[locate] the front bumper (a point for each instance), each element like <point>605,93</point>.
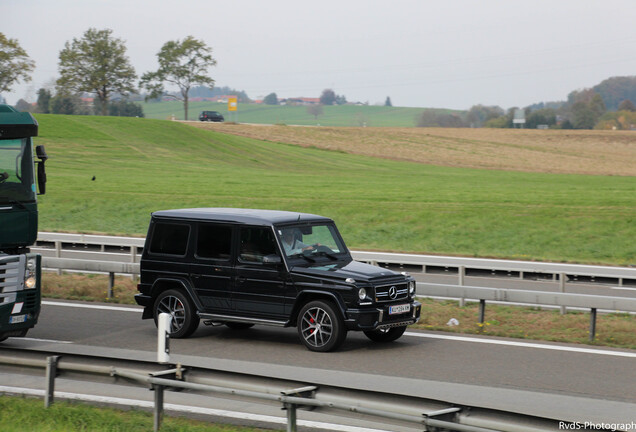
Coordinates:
<point>20,315</point>
<point>378,317</point>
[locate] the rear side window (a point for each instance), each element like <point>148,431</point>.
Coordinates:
<point>214,242</point>
<point>170,239</point>
<point>256,243</point>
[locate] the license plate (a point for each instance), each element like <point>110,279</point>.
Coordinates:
<point>17,319</point>
<point>398,309</point>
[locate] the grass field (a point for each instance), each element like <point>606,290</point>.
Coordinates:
<point>143,165</point>
<point>29,415</point>
<point>546,151</point>
<point>342,115</point>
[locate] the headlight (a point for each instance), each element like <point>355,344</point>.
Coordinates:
<point>30,282</point>
<point>362,294</point>
<point>412,286</point>
<point>30,275</point>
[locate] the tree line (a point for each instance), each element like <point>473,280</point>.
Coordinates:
<point>97,64</point>
<point>607,105</point>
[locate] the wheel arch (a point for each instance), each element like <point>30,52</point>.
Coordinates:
<point>310,295</point>
<point>163,284</point>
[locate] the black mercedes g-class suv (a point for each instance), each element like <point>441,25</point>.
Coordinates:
<point>241,267</point>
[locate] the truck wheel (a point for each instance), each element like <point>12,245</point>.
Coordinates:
<point>320,327</point>
<point>179,306</point>
<point>385,335</point>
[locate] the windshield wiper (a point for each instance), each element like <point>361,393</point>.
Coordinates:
<point>327,254</point>
<point>300,255</point>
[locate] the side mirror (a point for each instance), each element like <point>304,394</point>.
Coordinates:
<point>41,154</point>
<point>271,259</point>
<point>41,178</point>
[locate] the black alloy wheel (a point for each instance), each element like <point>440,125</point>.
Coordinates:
<point>178,305</point>
<point>320,326</point>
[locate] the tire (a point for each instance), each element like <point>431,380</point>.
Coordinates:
<point>320,326</point>
<point>184,319</point>
<point>238,325</point>
<point>386,335</point>
<point>3,338</point>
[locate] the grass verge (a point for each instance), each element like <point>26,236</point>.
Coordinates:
<point>613,330</point>
<point>18,414</point>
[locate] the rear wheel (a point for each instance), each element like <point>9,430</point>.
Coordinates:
<point>385,335</point>
<point>320,326</point>
<point>180,308</point>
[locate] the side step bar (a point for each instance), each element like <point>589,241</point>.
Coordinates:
<point>230,318</point>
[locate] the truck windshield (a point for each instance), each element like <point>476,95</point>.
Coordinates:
<point>17,181</point>
<point>311,241</point>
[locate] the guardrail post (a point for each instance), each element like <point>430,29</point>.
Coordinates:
<point>111,284</point>
<point>51,373</point>
<point>562,278</point>
<point>291,417</point>
<point>158,408</point>
<point>592,324</point>
<point>462,275</point>
<point>482,310</point>
<point>58,254</point>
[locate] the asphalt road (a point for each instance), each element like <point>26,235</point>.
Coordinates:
<point>494,369</point>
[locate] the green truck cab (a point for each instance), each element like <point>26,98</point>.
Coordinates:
<point>20,270</point>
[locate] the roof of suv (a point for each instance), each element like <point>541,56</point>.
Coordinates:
<point>238,215</point>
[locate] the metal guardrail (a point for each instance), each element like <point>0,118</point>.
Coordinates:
<point>463,266</point>
<point>415,411</point>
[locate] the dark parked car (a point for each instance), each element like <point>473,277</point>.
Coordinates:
<point>213,116</point>
<point>241,267</point>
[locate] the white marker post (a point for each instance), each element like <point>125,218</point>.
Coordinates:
<point>163,338</point>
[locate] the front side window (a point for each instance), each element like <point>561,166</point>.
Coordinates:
<point>17,181</point>
<point>170,239</point>
<point>214,242</point>
<point>310,241</point>
<point>256,244</point>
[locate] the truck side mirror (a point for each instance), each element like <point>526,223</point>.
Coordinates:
<point>41,154</point>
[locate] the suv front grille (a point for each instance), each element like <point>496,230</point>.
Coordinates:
<point>385,293</point>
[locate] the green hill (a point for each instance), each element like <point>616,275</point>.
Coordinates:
<point>337,115</point>
<point>143,165</point>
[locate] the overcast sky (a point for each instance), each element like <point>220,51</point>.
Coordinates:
<point>421,53</point>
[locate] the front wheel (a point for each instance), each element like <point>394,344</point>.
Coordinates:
<point>320,326</point>
<point>385,335</point>
<point>179,306</point>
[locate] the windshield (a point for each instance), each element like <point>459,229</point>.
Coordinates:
<point>16,171</point>
<point>311,241</point>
